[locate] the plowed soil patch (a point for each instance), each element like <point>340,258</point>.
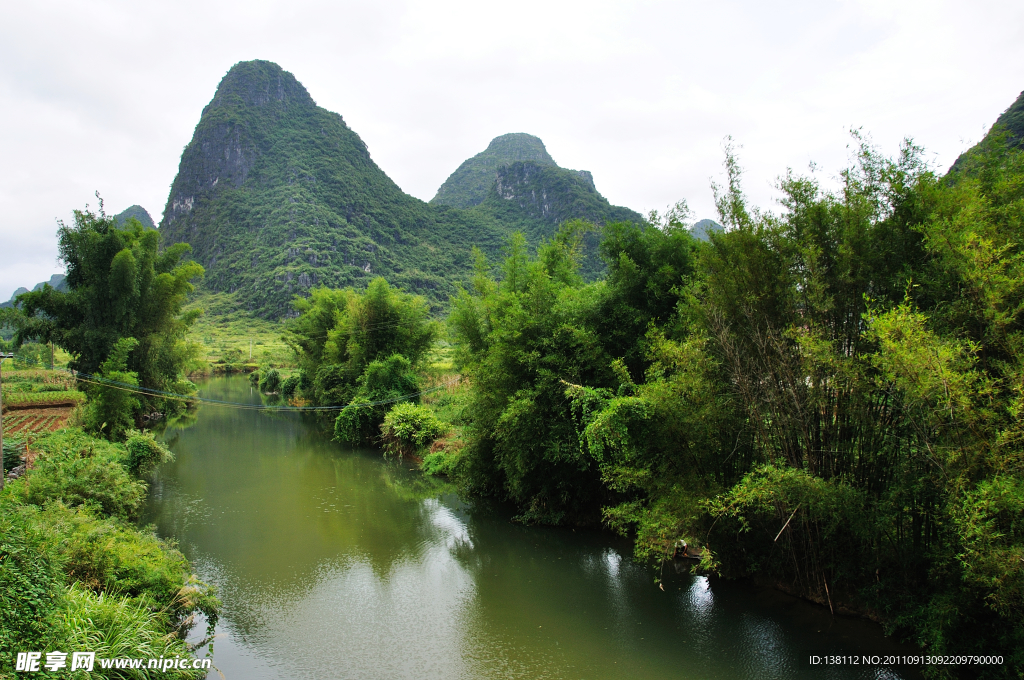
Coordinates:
<point>35,420</point>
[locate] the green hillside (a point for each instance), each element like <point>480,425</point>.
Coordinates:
<point>471,182</point>
<point>534,198</point>
<point>277,195</point>
<point>139,213</point>
<point>1010,123</point>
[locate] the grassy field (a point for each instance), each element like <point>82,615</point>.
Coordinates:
<point>232,336</point>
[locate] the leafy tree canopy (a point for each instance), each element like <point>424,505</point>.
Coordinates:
<point>119,285</point>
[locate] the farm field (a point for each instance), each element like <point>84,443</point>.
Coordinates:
<point>35,420</point>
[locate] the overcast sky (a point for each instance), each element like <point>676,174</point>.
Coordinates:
<point>104,95</point>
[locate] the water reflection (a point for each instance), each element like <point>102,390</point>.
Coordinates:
<point>337,564</point>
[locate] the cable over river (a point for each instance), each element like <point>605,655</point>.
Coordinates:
<point>333,563</point>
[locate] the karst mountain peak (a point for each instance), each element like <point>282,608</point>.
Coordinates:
<point>277,195</point>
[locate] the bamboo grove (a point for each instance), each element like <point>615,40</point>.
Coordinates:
<point>827,399</point>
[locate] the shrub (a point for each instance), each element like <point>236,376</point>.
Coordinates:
<point>144,452</point>
<point>111,554</point>
<point>115,626</point>
<point>408,427</point>
<point>382,384</point>
<point>270,380</point>
<point>30,581</point>
<point>332,386</point>
<point>76,469</point>
<point>290,386</point>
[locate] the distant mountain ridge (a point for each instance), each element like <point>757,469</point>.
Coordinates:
<point>56,281</point>
<point>471,181</point>
<point>139,213</point>
<point>277,195</point>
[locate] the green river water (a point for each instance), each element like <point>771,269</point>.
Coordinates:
<point>333,563</point>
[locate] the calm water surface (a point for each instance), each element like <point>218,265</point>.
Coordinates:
<point>333,563</point>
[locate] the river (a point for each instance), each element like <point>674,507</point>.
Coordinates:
<point>334,563</point>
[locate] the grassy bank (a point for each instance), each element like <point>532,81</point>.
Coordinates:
<point>76,573</point>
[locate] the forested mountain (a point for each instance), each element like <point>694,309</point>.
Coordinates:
<point>473,180</point>
<point>139,213</point>
<point>277,195</point>
<point>1010,123</point>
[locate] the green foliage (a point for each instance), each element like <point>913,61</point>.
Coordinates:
<point>290,385</point>
<point>119,286</point>
<point>109,554</point>
<point>383,384</point>
<point>43,398</point>
<point>144,452</point>
<point>829,398</point>
<point>32,354</point>
<point>75,469</point>
<point>409,427</point>
<point>75,573</point>
<point>270,380</point>
<point>116,626</point>
<point>523,340</point>
<point>31,580</point>
<point>112,408</point>
<point>340,333</point>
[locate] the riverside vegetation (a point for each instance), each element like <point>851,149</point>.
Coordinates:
<point>76,572</point>
<point>827,399</point>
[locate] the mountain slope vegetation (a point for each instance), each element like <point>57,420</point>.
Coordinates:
<point>471,182</point>
<point>277,195</point>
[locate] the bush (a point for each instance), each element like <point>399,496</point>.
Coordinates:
<point>31,578</point>
<point>130,594</point>
<point>144,452</point>
<point>111,554</point>
<point>383,384</point>
<point>445,461</point>
<point>270,380</point>
<point>76,469</point>
<point>254,378</point>
<point>290,386</point>
<point>408,427</point>
<point>115,626</point>
<point>332,386</point>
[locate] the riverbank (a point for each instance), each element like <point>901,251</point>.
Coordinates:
<point>76,573</point>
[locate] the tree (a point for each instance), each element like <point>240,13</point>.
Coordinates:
<point>339,333</point>
<point>119,286</point>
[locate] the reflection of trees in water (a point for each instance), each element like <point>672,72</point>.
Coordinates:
<point>187,418</point>
<point>272,399</point>
<point>412,487</point>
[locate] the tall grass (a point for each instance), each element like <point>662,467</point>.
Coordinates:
<point>116,626</point>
